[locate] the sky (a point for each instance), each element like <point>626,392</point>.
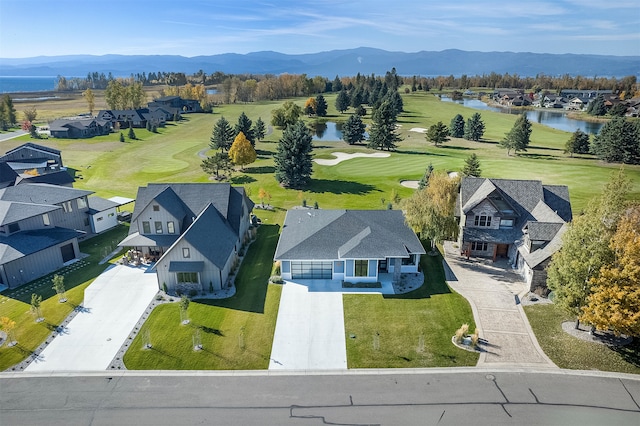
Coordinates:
<point>206,27</point>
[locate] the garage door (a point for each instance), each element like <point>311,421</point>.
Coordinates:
<point>311,270</point>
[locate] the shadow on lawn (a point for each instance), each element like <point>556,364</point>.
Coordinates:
<point>434,279</point>
<point>340,187</point>
<point>253,277</point>
<point>630,353</point>
<point>260,170</point>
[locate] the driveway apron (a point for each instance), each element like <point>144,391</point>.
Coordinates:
<point>493,291</point>
<point>309,331</point>
<point>112,306</point>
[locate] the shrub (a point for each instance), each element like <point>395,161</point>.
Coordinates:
<point>276,279</point>
<point>475,338</point>
<point>462,332</point>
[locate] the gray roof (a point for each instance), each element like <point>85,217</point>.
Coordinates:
<point>60,177</point>
<point>41,193</point>
<point>34,147</point>
<point>340,234</point>
<point>99,204</point>
<point>543,231</point>
<point>11,212</point>
<point>24,243</point>
<point>542,254</point>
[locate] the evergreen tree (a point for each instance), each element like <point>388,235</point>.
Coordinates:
<point>244,126</point>
<point>361,111</point>
<point>438,133</point>
<point>222,135</point>
<point>597,106</point>
<point>474,128</point>
<point>519,136</point>
<point>293,156</point>
<point>396,102</point>
<point>241,151</point>
<point>424,182</point>
<point>456,129</point>
<point>383,131</point>
<point>321,106</point>
<point>132,134</point>
<point>353,130</point>
<point>342,101</point>
<point>472,166</point>
<point>618,141</point>
<point>218,162</point>
<point>9,111</point>
<point>336,86</point>
<point>121,137</point>
<point>578,143</point>
<point>259,129</point>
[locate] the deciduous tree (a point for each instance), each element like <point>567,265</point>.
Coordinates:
<point>287,115</point>
<point>578,143</point>
<point>353,130</point>
<point>30,114</point>
<point>293,156</point>
<point>36,303</point>
<point>310,106</point>
<point>472,166</point>
<point>222,135</point>
<point>8,111</point>
<point>58,286</point>
<point>241,151</point>
<point>438,133</point>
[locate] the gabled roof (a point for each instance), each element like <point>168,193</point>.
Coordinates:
<point>35,147</point>
<point>340,234</point>
<point>538,256</point>
<point>99,204</point>
<point>11,212</point>
<point>60,177</point>
<point>543,231</point>
<point>24,243</point>
<point>41,193</point>
<point>7,174</point>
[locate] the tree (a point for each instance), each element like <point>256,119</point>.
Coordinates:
<point>132,134</point>
<point>262,194</point>
<point>618,141</point>
<point>36,302</point>
<point>456,128</point>
<point>396,102</point>
<point>293,156</point>
<point>361,111</point>
<point>244,126</point>
<point>383,130</point>
<point>353,130</point>
<point>342,101</point>
<point>90,98</point>
<point>242,152</point>
<point>121,137</point>
<point>430,211</point>
<point>438,133</point>
<point>259,129</point>
<point>114,95</point>
<point>585,247</point>
<point>310,106</point>
<point>578,143</point>
<point>184,305</point>
<point>597,106</point>
<point>222,135</point>
<point>219,161</point>
<point>614,301</point>
<point>287,115</point>
<point>321,106</point>
<point>474,128</point>
<point>424,181</point>
<point>8,111</point>
<point>472,166</point>
<point>7,324</point>
<point>519,136</point>
<point>30,114</point>
<point>58,286</point>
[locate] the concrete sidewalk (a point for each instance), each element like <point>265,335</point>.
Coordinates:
<point>492,290</point>
<point>112,306</point>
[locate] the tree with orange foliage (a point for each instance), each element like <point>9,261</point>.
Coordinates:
<point>242,152</point>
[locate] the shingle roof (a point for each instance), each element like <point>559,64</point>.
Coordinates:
<point>34,146</point>
<point>24,243</point>
<point>60,177</point>
<point>41,193</point>
<point>356,234</point>
<point>11,211</point>
<point>542,254</point>
<point>543,231</point>
<point>99,204</point>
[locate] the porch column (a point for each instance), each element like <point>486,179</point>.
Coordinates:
<point>397,269</point>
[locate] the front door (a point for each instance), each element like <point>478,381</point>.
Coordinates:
<point>68,253</point>
<point>382,265</point>
<point>502,250</point>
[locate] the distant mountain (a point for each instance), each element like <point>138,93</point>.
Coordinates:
<point>329,64</point>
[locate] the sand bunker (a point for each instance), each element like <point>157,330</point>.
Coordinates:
<point>413,184</point>
<point>418,130</point>
<point>342,156</point>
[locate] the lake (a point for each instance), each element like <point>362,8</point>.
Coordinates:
<point>555,119</point>
<point>13,84</point>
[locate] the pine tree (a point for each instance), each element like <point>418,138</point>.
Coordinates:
<point>342,101</point>
<point>132,134</point>
<point>259,129</point>
<point>321,106</point>
<point>578,143</point>
<point>438,133</point>
<point>219,161</point>
<point>383,131</point>
<point>353,130</point>
<point>9,111</point>
<point>222,135</point>
<point>474,128</point>
<point>456,129</point>
<point>244,126</point>
<point>519,136</point>
<point>618,141</point>
<point>121,137</point>
<point>424,182</point>
<point>472,166</point>
<point>241,151</point>
<point>293,156</point>
<point>597,106</point>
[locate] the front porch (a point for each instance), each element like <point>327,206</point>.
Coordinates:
<point>408,282</point>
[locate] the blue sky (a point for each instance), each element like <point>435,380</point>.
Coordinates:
<point>199,27</point>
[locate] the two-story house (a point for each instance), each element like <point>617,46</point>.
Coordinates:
<point>193,230</point>
<point>39,229</point>
<point>521,220</point>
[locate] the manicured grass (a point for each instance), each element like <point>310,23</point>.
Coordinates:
<point>570,352</point>
<point>408,331</point>
<point>16,303</point>
<point>236,333</point>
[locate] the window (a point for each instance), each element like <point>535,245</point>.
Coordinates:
<point>66,206</point>
<point>111,214</point>
<point>146,228</point>
<point>46,220</point>
<point>14,227</point>
<point>86,221</point>
<point>187,277</point>
<point>482,221</point>
<point>410,261</point>
<point>478,246</point>
<point>185,252</point>
<point>82,203</point>
<point>506,223</point>
<point>158,226</point>
<point>170,228</point>
<point>156,208</point>
<point>361,268</point>
<point>99,219</point>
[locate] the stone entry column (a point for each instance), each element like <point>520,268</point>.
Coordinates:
<point>397,269</point>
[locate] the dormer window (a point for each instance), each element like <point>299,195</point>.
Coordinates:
<point>156,208</point>
<point>482,221</point>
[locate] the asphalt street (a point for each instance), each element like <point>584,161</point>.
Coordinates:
<point>371,397</point>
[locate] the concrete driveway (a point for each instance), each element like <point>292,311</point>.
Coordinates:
<point>112,306</point>
<point>492,290</point>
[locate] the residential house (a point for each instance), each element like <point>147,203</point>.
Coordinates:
<point>103,214</point>
<point>80,127</point>
<point>39,229</point>
<point>123,118</point>
<point>183,105</point>
<point>193,230</point>
<point>519,220</point>
<point>349,245</point>
<point>33,163</point>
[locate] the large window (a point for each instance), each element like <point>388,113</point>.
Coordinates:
<point>158,226</point>
<point>66,206</point>
<point>187,277</point>
<point>146,228</point>
<point>478,246</point>
<point>361,268</point>
<point>482,221</point>
<point>82,203</point>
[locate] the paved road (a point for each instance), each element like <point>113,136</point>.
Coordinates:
<point>382,397</point>
<point>11,135</point>
<point>491,290</point>
<point>113,304</point>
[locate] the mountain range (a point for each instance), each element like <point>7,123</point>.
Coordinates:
<point>347,62</point>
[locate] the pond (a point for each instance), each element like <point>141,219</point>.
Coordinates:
<point>555,119</point>
<point>328,131</point>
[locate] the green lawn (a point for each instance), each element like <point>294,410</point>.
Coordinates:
<point>412,330</point>
<point>236,333</point>
<point>567,351</point>
<point>16,304</point>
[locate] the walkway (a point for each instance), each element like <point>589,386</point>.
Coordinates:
<point>492,290</point>
<point>112,306</point>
